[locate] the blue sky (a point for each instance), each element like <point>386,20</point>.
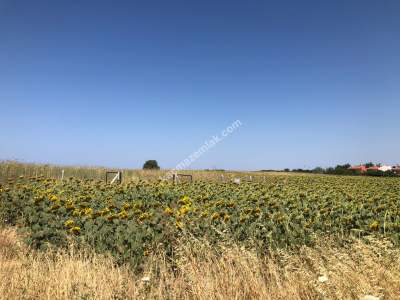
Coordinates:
<point>113,83</point>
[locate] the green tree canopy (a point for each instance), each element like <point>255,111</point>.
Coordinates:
<point>151,165</point>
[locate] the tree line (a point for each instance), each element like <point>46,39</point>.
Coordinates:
<point>344,170</point>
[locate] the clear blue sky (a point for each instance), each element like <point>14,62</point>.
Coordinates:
<point>114,83</point>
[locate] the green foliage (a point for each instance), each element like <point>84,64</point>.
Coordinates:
<point>318,170</point>
<point>151,165</point>
<point>341,170</point>
<point>378,173</point>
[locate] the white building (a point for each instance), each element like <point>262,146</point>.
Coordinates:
<point>385,168</point>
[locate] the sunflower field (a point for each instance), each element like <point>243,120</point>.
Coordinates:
<point>132,220</point>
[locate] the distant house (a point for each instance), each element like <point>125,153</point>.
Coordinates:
<point>364,169</point>
<point>373,168</point>
<point>361,169</point>
<point>396,170</point>
<point>385,168</point>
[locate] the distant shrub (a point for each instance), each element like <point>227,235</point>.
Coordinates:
<point>151,165</point>
<point>378,173</point>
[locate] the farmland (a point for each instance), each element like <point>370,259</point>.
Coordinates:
<point>133,219</point>
<point>146,219</point>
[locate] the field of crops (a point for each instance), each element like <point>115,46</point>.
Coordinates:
<point>132,220</point>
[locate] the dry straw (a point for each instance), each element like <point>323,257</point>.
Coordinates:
<point>353,272</point>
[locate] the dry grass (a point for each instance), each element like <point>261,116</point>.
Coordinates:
<point>352,272</point>
<point>14,169</point>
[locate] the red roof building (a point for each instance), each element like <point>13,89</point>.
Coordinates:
<point>373,168</point>
<point>362,169</point>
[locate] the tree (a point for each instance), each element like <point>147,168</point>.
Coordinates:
<point>343,169</point>
<point>318,170</point>
<point>151,165</point>
<point>369,164</point>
